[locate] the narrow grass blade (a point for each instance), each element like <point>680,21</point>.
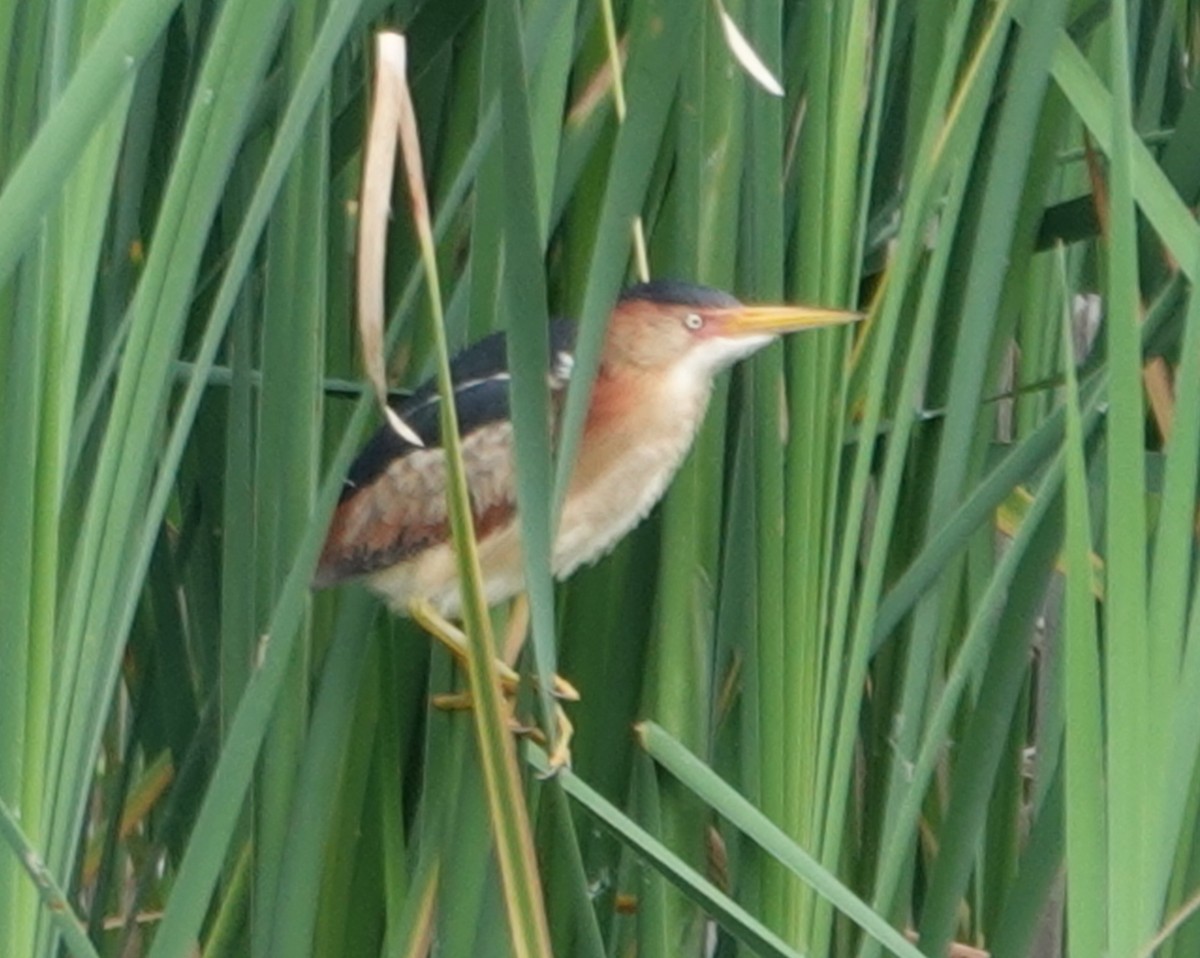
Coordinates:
<point>411,935</point>
<point>982,741</point>
<point>1135,729</point>
<point>293,916</point>
<point>529,357</point>
<point>506,801</point>
<point>54,899</point>
<point>725,801</point>
<point>739,922</point>
<point>1086,841</point>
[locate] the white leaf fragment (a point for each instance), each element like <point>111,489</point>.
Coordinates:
<point>406,432</point>
<point>745,54</point>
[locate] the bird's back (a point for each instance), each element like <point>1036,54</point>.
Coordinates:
<point>392,508</point>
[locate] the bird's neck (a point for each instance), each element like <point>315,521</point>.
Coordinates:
<point>633,407</point>
<point>639,429</point>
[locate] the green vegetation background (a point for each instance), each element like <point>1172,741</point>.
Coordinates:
<point>914,630</point>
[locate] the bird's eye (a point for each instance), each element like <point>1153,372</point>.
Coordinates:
<point>693,321</point>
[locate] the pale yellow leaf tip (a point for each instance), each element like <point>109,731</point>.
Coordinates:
<point>745,54</point>
<point>374,209</point>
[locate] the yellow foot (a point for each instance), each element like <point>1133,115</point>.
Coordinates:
<point>560,757</point>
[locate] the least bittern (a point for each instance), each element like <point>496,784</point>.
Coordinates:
<point>665,343</point>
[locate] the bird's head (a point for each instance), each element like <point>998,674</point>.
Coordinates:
<point>698,331</point>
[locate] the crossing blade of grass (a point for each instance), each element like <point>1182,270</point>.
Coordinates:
<point>1156,198</point>
<point>579,931</point>
<point>528,354</point>
<point>736,919</point>
<point>506,800</point>
<point>969,665</point>
<point>409,935</point>
<point>1023,919</point>
<point>982,740</point>
<point>889,491</point>
<point>54,899</point>
<point>723,799</point>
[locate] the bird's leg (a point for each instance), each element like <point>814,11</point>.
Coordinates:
<point>517,629</point>
<point>455,641</point>
<point>514,641</point>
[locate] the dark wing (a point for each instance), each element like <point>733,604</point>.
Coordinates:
<point>393,502</point>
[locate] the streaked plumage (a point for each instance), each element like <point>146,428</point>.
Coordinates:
<point>665,343</point>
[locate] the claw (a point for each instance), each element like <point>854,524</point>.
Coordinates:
<point>564,690</point>
<point>560,758</point>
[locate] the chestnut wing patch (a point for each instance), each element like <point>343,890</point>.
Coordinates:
<point>401,512</point>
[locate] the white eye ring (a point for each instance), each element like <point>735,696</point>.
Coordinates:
<point>693,321</point>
